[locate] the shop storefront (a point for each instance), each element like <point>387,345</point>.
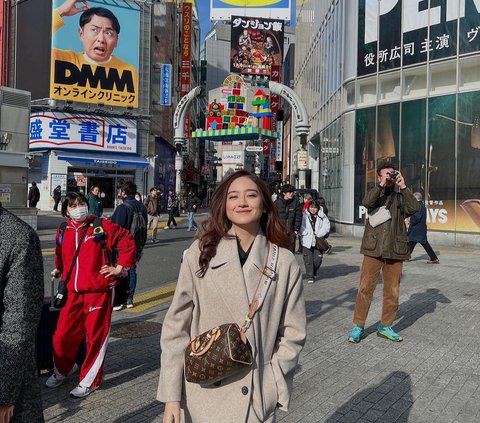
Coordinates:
<point>84,151</point>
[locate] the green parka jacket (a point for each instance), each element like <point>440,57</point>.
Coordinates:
<point>388,240</point>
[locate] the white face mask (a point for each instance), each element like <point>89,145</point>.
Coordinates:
<point>79,214</point>
<point>138,198</point>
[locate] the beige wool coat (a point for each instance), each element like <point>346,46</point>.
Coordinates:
<point>277,334</point>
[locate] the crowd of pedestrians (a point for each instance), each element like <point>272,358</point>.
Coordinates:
<point>247,227</point>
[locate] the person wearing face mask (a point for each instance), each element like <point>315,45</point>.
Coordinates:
<point>88,309</point>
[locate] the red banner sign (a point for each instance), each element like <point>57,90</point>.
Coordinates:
<point>186,57</point>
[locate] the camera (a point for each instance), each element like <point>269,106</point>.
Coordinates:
<point>393,174</point>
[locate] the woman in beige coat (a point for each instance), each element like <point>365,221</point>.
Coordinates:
<point>217,280</point>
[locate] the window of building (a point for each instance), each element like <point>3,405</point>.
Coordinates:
<point>469,78</point>
<point>367,91</point>
<point>415,82</point>
<point>443,77</point>
<point>389,87</point>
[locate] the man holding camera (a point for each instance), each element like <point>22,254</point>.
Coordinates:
<point>385,247</point>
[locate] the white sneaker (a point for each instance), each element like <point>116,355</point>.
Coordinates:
<point>311,281</point>
<point>119,307</point>
<point>55,380</point>
<point>82,391</point>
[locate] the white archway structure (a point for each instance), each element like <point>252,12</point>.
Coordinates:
<point>179,125</point>
<point>302,126</point>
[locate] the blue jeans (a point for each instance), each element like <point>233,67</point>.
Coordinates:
<point>191,221</point>
<point>132,276</point>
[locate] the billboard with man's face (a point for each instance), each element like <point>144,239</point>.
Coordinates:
<point>95,52</point>
<point>256,45</point>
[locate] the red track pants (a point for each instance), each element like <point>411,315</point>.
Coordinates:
<point>85,314</point>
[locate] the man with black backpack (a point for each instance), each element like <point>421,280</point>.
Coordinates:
<point>132,215</point>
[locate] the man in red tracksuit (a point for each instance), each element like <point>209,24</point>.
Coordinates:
<point>88,309</point>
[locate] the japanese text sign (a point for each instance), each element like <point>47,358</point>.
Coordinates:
<point>78,132</point>
<point>166,84</point>
<point>256,45</point>
<point>410,32</point>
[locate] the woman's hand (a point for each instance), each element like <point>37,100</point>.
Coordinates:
<point>69,8</point>
<point>108,271</point>
<point>172,412</point>
<point>55,273</point>
<point>6,413</point>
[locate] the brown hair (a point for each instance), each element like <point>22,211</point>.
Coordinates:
<point>217,224</point>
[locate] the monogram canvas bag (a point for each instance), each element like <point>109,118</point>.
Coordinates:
<point>224,351</point>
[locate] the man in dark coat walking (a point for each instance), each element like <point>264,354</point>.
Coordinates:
<point>290,210</point>
<point>417,231</point>
<point>33,195</point>
<point>21,296</point>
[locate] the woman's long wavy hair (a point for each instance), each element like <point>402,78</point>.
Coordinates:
<point>217,225</point>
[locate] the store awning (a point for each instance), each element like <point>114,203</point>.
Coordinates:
<point>242,133</point>
<point>11,159</point>
<point>102,160</point>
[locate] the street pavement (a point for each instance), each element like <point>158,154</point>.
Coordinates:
<point>432,376</point>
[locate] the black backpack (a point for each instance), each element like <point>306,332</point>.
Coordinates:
<point>138,227</point>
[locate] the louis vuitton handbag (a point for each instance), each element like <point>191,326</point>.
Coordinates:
<point>224,351</point>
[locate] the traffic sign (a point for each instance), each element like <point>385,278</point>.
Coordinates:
<point>256,148</point>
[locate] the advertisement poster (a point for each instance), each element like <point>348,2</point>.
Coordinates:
<point>95,52</point>
<point>87,133</point>
<point>222,10</point>
<point>59,179</point>
<point>166,84</point>
<point>256,45</point>
<point>412,32</point>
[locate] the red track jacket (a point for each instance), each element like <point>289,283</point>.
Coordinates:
<point>86,276</point>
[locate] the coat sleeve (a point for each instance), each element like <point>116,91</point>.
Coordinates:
<point>58,252</point>
<point>371,198</point>
<point>22,301</point>
<point>324,227</point>
<point>121,240</point>
<point>411,204</point>
<point>303,227</point>
<point>298,216</point>
<point>290,338</point>
<point>176,336</point>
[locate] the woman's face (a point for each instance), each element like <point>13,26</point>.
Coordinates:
<point>244,203</point>
<point>313,210</point>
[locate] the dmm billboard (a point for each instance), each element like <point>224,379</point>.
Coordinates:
<point>84,67</point>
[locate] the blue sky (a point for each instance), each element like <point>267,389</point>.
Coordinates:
<point>204,13</point>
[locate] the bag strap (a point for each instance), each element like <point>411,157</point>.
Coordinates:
<point>268,274</point>
<point>99,233</point>
<point>69,273</point>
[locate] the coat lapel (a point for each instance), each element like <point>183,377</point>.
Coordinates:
<point>227,276</point>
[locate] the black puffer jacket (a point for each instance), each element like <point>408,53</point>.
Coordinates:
<point>291,212</point>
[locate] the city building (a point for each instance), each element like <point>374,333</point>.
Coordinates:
<point>394,82</point>
<point>102,115</point>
